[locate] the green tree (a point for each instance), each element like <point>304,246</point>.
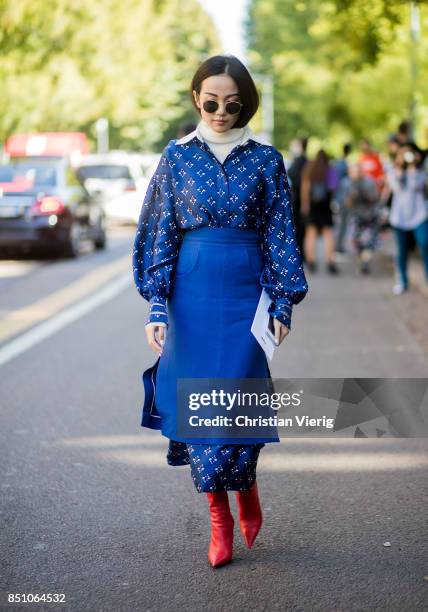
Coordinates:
<point>340,67</point>
<point>63,65</point>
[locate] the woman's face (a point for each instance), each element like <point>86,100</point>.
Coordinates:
<point>221,88</point>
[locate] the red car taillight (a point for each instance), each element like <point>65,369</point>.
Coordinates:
<point>48,205</point>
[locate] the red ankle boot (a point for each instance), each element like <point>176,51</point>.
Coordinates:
<point>250,513</point>
<point>222,523</point>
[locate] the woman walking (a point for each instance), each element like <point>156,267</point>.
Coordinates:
<point>215,227</point>
<point>361,196</point>
<point>319,182</point>
<point>407,181</point>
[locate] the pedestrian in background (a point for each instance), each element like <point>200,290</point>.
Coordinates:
<point>407,181</point>
<point>371,163</point>
<point>338,199</point>
<point>319,182</point>
<point>298,151</point>
<point>361,198</point>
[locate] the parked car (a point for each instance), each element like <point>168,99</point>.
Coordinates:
<point>119,181</point>
<point>44,205</point>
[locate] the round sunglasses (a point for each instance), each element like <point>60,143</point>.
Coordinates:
<point>210,106</point>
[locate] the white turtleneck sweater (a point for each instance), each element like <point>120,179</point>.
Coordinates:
<point>222,143</point>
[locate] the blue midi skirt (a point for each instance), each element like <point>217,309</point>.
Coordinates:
<point>214,293</point>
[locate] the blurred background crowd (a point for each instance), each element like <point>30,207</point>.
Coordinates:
<point>353,200</point>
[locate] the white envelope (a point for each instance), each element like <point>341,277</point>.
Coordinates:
<point>259,327</point>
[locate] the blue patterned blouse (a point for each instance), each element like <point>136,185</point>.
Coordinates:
<point>191,188</point>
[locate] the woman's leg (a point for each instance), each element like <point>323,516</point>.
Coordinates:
<point>373,235</point>
<point>402,253</point>
<point>343,226</point>
<point>310,245</point>
<point>421,237</point>
<point>356,235</point>
<point>327,234</point>
<point>215,470</point>
<point>367,243</point>
<point>222,523</point>
<point>250,513</point>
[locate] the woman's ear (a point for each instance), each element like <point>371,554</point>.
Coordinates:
<point>196,98</point>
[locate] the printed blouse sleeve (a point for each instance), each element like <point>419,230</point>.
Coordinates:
<point>283,276</point>
<point>156,242</point>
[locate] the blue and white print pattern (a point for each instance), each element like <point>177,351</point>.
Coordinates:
<point>191,188</point>
<point>217,467</point>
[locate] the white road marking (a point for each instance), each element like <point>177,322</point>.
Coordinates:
<point>12,267</point>
<point>62,319</point>
<point>21,319</point>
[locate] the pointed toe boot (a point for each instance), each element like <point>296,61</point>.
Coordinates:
<point>222,523</point>
<point>250,513</point>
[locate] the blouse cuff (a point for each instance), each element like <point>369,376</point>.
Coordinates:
<point>281,310</point>
<point>158,313</point>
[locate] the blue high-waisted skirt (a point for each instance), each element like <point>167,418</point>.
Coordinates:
<point>214,294</point>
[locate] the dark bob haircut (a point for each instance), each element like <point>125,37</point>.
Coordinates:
<point>229,64</point>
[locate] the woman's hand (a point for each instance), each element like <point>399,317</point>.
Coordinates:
<point>156,336</point>
<point>281,331</point>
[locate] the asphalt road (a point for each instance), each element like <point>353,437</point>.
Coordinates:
<point>90,509</point>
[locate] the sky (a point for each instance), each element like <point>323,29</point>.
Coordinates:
<point>228,16</point>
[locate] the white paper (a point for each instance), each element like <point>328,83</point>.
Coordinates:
<point>259,327</point>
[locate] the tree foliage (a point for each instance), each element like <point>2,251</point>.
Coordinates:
<point>341,68</point>
<point>64,64</point>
